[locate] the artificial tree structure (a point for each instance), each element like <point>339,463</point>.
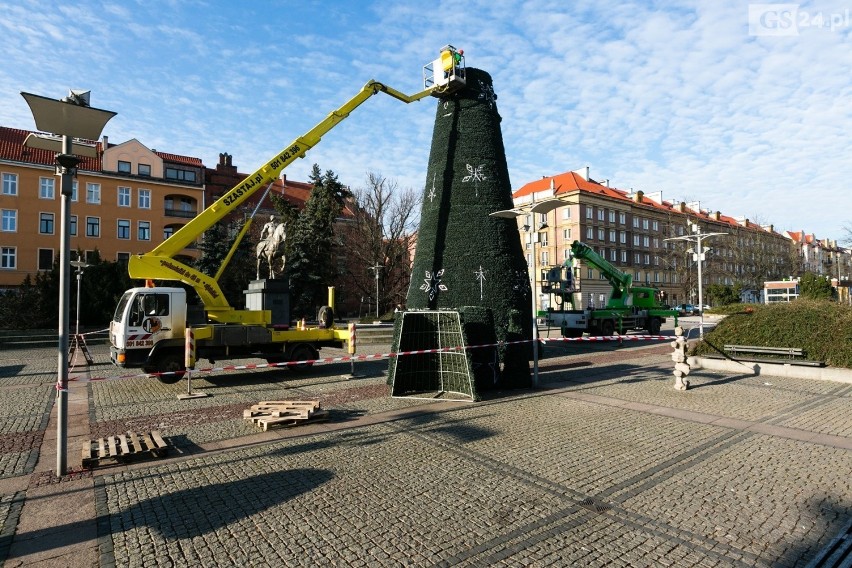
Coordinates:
<point>466,260</point>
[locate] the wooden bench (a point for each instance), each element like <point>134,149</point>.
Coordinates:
<point>784,355</point>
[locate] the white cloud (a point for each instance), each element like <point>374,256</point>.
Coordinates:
<point>674,97</point>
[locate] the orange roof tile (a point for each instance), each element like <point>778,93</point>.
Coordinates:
<point>12,149</point>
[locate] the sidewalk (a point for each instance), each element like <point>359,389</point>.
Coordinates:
<point>605,464</point>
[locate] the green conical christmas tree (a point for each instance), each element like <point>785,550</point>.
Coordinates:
<point>466,260</point>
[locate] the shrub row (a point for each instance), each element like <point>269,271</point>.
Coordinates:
<point>822,328</point>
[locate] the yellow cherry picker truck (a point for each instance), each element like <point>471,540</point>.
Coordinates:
<point>148,329</point>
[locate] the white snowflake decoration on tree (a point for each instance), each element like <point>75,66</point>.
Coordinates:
<point>475,175</point>
<point>480,275</point>
<point>432,284</point>
<point>522,282</point>
<point>432,192</point>
<point>486,93</point>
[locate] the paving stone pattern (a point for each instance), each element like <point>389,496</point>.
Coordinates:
<point>601,466</point>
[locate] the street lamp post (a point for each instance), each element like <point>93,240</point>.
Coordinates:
<point>376,269</point>
<point>80,266</point>
<point>698,255</point>
<point>66,120</point>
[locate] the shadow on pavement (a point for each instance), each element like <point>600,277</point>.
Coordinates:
<point>191,512</point>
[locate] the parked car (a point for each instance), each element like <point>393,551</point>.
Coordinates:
<point>687,309</point>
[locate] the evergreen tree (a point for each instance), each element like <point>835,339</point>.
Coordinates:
<point>464,257</point>
<point>310,265</point>
<point>815,287</point>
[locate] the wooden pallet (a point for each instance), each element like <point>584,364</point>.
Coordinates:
<point>284,412</point>
<point>123,446</point>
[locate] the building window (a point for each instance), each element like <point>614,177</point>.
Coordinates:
<point>591,273</point>
<point>566,234</point>
<point>624,256</point>
<point>645,224</point>
<point>122,257</point>
<point>123,167</point>
<point>45,259</point>
<point>590,233</point>
<point>612,255</point>
<point>123,229</point>
<point>93,226</point>
<point>566,254</point>
<point>646,241</point>
<point>74,192</point>
<point>612,216</point>
<point>45,223</point>
<point>144,199</point>
<point>545,259</point>
<point>601,234</point>
<point>622,237</point>
<point>144,231</point>
<point>168,232</point>
<point>590,214</point>
<point>622,218</point>
<point>635,222</point>
<point>124,197</point>
<point>637,258</point>
<point>93,193</point>
<point>181,175</point>
<point>10,185</point>
<point>566,212</point>
<point>635,240</point>
<point>144,169</point>
<point>10,220</point>
<point>612,235</point>
<point>8,257</point>
<point>72,224</point>
<point>46,188</point>
<point>655,225</point>
<point>656,277</point>
<point>601,214</point>
<point>647,259</point>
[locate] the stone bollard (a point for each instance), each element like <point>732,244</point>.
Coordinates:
<point>679,357</point>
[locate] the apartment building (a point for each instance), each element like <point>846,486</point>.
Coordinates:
<point>630,230</point>
<point>125,201</point>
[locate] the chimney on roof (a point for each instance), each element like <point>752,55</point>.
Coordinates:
<point>606,182</point>
<point>656,197</point>
<point>695,206</point>
<point>715,215</point>
<point>584,173</point>
<point>681,207</point>
<point>637,197</point>
<point>105,142</point>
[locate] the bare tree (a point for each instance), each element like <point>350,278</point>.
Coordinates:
<point>382,234</point>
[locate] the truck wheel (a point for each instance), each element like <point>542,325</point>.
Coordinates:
<point>303,352</point>
<point>325,317</point>
<point>172,363</point>
<point>607,327</point>
<point>654,326</point>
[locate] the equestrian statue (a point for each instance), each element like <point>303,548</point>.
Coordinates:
<point>271,246</point>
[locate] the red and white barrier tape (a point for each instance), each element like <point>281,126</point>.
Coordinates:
<point>378,356</point>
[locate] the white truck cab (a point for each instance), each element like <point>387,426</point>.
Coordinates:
<point>143,318</point>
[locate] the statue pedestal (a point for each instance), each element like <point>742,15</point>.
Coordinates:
<point>272,295</point>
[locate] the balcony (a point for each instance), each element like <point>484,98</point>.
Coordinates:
<point>182,213</point>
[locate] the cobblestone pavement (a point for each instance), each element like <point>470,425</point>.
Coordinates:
<point>605,464</point>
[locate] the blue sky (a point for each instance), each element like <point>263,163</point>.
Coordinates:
<point>681,97</point>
